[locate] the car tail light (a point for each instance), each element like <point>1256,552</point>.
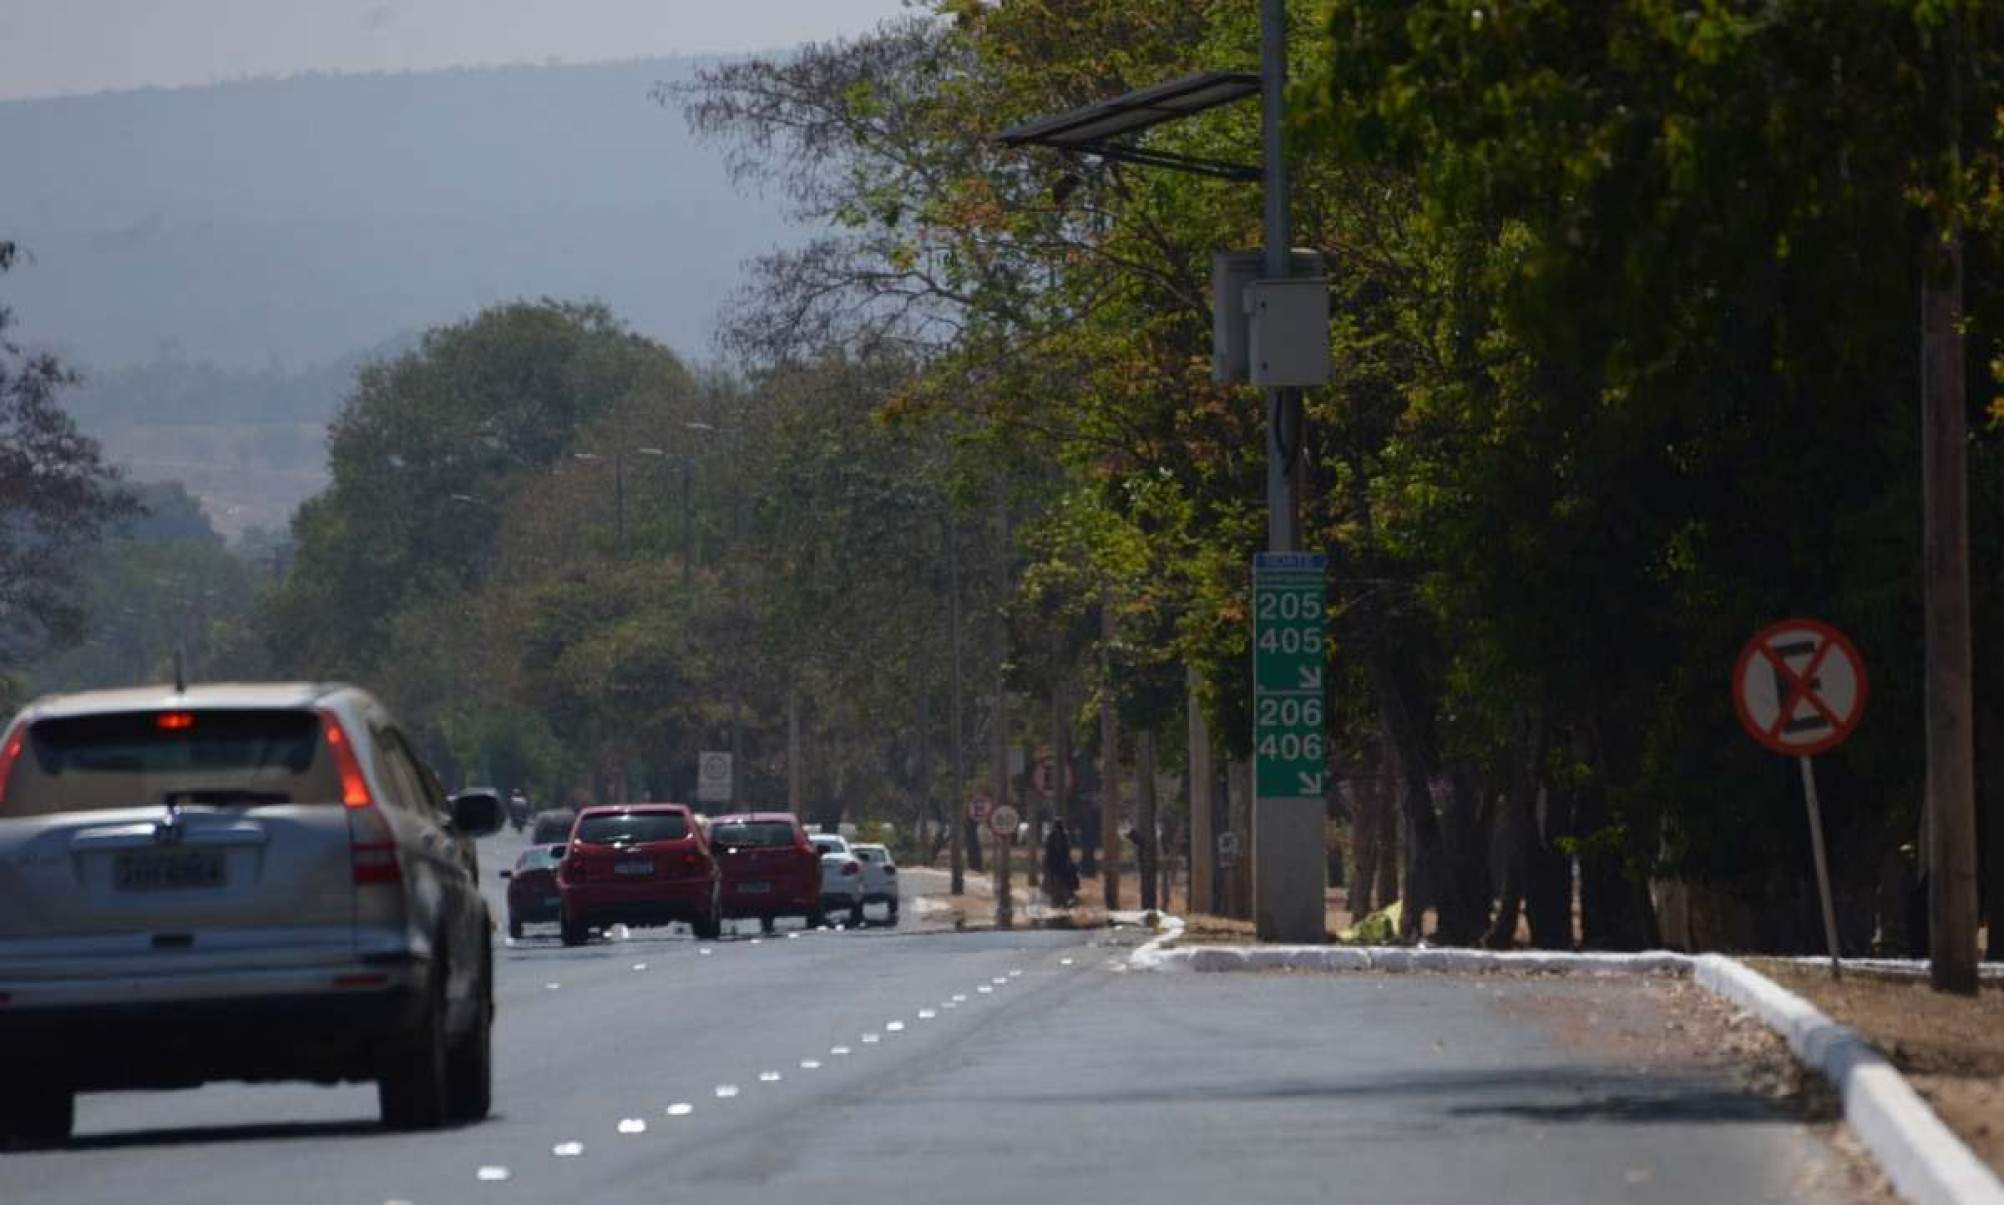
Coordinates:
<point>372,844</point>
<point>851,868</point>
<point>10,752</point>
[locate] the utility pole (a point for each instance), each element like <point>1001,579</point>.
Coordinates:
<point>957,805</point>
<point>1202,782</point>
<point>738,618</point>
<point>1951,807</point>
<point>1005,904</point>
<point>688,546</point>
<point>793,794</point>
<point>619,504</point>
<point>1109,787</point>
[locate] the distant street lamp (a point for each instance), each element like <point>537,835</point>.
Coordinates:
<point>736,580</point>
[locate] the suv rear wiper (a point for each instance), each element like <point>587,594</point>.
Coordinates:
<point>225,797</point>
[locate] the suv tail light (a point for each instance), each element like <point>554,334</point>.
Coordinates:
<point>851,868</point>
<point>372,844</point>
<point>10,752</point>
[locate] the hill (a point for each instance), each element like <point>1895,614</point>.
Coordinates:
<point>213,258</point>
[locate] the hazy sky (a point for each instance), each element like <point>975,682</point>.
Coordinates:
<point>51,47</point>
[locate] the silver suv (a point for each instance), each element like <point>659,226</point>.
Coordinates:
<point>236,882</point>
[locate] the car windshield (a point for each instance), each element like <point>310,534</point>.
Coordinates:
<point>753,834</point>
<point>224,758</point>
<point>632,828</point>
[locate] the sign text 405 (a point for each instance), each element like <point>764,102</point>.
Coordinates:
<point>1289,711</point>
<point>1289,746</point>
<point>1290,640</point>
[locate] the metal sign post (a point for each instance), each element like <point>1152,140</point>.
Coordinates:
<point>1799,688</point>
<point>1289,756</point>
<point>1002,824</point>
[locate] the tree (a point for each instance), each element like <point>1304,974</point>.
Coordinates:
<point>56,498</point>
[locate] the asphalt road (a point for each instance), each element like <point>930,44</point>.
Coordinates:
<point>889,1066</point>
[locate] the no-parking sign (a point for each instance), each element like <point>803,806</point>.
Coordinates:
<point>1799,687</point>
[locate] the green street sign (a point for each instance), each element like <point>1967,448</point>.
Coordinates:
<point>1290,624</point>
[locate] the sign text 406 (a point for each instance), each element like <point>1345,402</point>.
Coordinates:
<point>1289,746</point>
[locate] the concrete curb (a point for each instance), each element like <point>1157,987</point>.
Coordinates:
<point>1152,957</point>
<point>1925,1161</point>
<point>1923,1158</point>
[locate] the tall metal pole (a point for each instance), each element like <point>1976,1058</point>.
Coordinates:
<point>1287,863</point>
<point>737,622</point>
<point>957,805</point>
<point>619,504</point>
<point>1951,790</point>
<point>688,547</point>
<point>1202,781</point>
<point>1005,903</point>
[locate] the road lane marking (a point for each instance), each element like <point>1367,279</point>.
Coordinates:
<point>871,1039</point>
<point>639,966</point>
<point>568,1150</point>
<point>726,1091</point>
<point>896,1027</point>
<point>810,1064</point>
<point>632,1125</point>
<point>926,1014</point>
<point>492,1173</point>
<point>768,1077</point>
<point>838,1051</point>
<point>680,1108</point>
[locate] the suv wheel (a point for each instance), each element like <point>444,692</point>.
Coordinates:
<point>38,1115</point>
<point>856,918</point>
<point>892,919</point>
<point>767,924</point>
<point>817,919</point>
<point>514,927</point>
<point>414,1087</point>
<point>470,1061</point>
<point>574,932</point>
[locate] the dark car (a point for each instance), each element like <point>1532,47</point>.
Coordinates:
<point>638,864</point>
<point>769,868</point>
<point>552,827</point>
<point>532,888</point>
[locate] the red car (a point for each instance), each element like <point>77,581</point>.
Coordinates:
<point>532,888</point>
<point>770,870</point>
<point>638,864</point>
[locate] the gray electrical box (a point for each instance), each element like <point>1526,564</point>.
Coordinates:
<point>1232,272</point>
<point>1288,338</point>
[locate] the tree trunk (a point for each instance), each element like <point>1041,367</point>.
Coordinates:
<point>1548,883</point>
<point>1144,819</point>
<point>1364,835</point>
<point>1109,785</point>
<point>1239,796</point>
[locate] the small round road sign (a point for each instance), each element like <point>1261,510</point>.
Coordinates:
<point>979,807</point>
<point>1003,821</point>
<point>1799,687</point>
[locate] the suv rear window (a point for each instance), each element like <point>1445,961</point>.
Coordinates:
<point>753,834</point>
<point>233,758</point>
<point>632,828</point>
<point>541,857</point>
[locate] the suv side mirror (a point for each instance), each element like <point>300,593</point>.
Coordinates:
<point>477,813</point>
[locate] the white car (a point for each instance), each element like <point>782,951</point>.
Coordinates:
<point>880,878</point>
<point>841,877</point>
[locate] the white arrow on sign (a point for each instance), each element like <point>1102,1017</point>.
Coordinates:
<point>1311,784</point>
<point>1311,677</point>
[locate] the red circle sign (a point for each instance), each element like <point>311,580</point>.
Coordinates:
<point>1799,687</point>
<point>979,807</point>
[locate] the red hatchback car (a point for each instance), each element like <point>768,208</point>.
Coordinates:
<point>770,870</point>
<point>638,864</point>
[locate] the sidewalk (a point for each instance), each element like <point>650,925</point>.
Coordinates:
<point>975,908</point>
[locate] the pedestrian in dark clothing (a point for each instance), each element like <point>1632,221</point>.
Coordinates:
<point>1061,878</point>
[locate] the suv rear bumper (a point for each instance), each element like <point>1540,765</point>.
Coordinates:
<point>178,1031</point>
<point>791,902</point>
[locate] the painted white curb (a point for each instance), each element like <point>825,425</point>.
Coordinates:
<point>1925,1161</point>
<point>1152,957</point>
<point>1923,1158</point>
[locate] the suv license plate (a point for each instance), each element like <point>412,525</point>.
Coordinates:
<point>166,872</point>
<point>635,867</point>
<point>755,888</point>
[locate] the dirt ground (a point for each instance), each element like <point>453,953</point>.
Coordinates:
<point>1951,1048</point>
